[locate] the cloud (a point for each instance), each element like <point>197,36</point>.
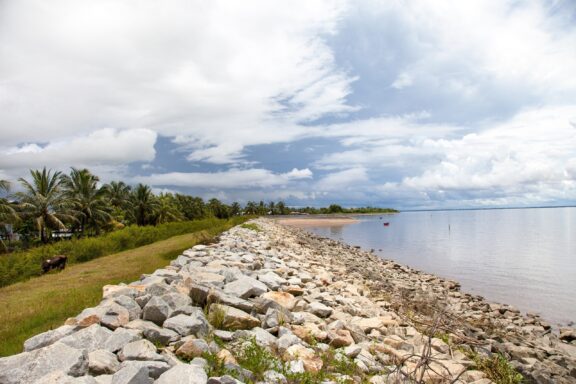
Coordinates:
<point>526,160</point>
<point>101,147</point>
<point>402,81</point>
<point>215,76</point>
<point>234,178</point>
<point>342,180</point>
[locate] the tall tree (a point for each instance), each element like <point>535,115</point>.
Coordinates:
<point>8,214</point>
<point>144,205</point>
<point>86,199</point>
<point>118,193</point>
<point>44,202</point>
<point>281,207</point>
<point>167,209</point>
<point>251,208</point>
<point>235,209</point>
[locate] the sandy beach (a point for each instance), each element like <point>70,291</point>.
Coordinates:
<point>316,221</point>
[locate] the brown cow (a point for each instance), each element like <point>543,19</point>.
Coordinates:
<point>57,262</point>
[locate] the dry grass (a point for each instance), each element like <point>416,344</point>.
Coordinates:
<point>44,303</point>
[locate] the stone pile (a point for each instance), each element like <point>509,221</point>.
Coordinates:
<point>301,298</point>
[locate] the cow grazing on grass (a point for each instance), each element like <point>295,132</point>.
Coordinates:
<point>57,262</point>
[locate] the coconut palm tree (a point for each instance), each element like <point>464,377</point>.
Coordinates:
<point>7,213</point>
<point>118,193</point>
<point>86,199</point>
<point>44,202</point>
<point>144,205</point>
<point>167,209</point>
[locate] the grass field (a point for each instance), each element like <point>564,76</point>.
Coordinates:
<point>45,302</point>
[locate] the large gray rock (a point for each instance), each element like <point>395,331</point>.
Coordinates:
<point>220,297</point>
<point>245,287</point>
<point>153,332</point>
<point>47,338</point>
<point>115,315</point>
<point>156,310</point>
<point>101,362</point>
<point>155,368</point>
<point>226,317</point>
<point>92,338</point>
<point>120,337</point>
<point>139,350</point>
<point>131,306</point>
<point>319,309</point>
<point>28,367</point>
<point>185,325</point>
<point>60,377</point>
<point>272,280</point>
<point>183,374</point>
<point>132,374</point>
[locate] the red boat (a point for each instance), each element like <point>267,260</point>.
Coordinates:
<point>386,224</point>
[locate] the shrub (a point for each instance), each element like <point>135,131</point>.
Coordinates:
<point>19,266</point>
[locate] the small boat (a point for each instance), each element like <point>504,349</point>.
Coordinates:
<point>386,224</point>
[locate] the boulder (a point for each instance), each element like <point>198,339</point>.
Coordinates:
<point>272,280</point>
<point>319,309</point>
<point>139,350</point>
<point>28,367</point>
<point>156,310</point>
<point>101,362</point>
<point>220,297</point>
<point>120,337</point>
<point>60,377</point>
<point>153,332</point>
<point>183,374</point>
<point>155,368</point>
<point>284,299</point>
<point>192,348</point>
<point>224,316</point>
<point>47,338</point>
<point>92,338</point>
<point>185,325</point>
<point>131,374</point>
<point>245,287</point>
<point>312,362</point>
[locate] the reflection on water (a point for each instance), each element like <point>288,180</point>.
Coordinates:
<point>524,257</point>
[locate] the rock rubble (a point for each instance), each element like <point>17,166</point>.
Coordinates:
<point>318,308</point>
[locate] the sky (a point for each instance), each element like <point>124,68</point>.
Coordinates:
<point>411,104</point>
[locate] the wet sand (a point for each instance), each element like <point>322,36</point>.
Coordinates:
<point>316,221</point>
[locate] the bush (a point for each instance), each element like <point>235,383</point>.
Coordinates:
<point>19,266</point>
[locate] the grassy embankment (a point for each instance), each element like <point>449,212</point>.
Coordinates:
<point>39,304</point>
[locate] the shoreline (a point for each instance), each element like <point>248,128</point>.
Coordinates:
<point>315,221</point>
<point>304,300</point>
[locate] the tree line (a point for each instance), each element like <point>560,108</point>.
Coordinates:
<point>77,203</point>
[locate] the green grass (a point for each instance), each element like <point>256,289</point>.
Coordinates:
<point>251,226</point>
<point>43,303</point>
<point>20,266</point>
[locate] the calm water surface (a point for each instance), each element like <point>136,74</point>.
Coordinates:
<point>523,257</point>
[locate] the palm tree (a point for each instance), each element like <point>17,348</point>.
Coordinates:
<point>235,209</point>
<point>7,213</point>
<point>87,200</point>
<point>144,205</point>
<point>44,202</point>
<point>251,208</point>
<point>168,209</point>
<point>118,193</point>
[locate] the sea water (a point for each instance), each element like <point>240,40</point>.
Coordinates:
<point>523,257</point>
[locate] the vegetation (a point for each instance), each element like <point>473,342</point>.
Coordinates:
<point>252,226</point>
<point>258,359</point>
<point>497,368</point>
<point>53,206</point>
<point>18,266</point>
<point>28,308</point>
<point>334,208</point>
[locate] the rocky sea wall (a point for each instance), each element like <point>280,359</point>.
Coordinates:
<point>274,304</point>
